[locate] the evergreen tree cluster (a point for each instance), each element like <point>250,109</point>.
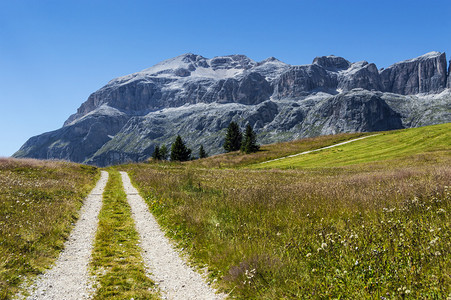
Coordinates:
<point>179,151</point>
<point>234,139</point>
<point>160,153</point>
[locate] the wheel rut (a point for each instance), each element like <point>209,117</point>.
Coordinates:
<point>69,277</point>
<point>175,278</point>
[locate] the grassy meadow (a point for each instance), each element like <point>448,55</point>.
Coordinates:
<point>433,141</point>
<point>39,201</point>
<point>272,151</point>
<point>377,228</point>
<point>365,220</point>
<point>116,262</point>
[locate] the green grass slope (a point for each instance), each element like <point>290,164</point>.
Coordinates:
<point>272,151</point>
<point>391,145</point>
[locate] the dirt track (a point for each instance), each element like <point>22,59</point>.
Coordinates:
<point>175,278</point>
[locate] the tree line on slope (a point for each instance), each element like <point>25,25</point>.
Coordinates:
<point>234,141</point>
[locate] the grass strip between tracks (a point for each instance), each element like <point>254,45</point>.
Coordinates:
<point>117,263</point>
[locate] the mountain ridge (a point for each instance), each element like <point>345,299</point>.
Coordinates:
<point>197,97</point>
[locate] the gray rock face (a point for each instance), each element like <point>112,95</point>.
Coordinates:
<point>332,62</point>
<point>356,111</point>
<point>75,142</point>
<point>448,84</point>
<point>303,80</point>
<point>424,74</point>
<point>360,75</point>
<point>198,97</point>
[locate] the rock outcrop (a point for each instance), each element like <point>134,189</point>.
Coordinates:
<point>198,97</point>
<point>355,111</point>
<point>424,74</point>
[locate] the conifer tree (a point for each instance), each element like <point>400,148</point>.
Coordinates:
<point>156,153</point>
<point>202,153</point>
<point>164,152</point>
<point>250,141</point>
<point>233,138</point>
<point>179,151</point>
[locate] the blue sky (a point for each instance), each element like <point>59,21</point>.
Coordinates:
<point>54,54</point>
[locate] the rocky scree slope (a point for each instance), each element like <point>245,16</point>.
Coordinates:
<point>198,97</point>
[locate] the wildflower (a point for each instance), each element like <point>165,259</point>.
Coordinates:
<point>323,245</point>
<point>308,254</point>
<point>250,274</point>
<point>356,263</point>
<point>441,211</point>
<point>433,241</point>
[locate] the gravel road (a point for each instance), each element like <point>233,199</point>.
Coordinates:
<point>175,278</point>
<point>69,277</point>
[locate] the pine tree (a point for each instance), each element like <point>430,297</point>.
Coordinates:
<point>202,153</point>
<point>156,153</point>
<point>179,152</point>
<point>164,152</point>
<point>233,138</point>
<point>250,141</point>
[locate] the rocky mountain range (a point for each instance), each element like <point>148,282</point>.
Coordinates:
<point>198,97</point>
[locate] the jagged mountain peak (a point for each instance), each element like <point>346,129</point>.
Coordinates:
<point>332,62</point>
<point>425,57</point>
<point>197,97</point>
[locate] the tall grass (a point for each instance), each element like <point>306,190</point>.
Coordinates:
<point>39,201</point>
<point>350,232</point>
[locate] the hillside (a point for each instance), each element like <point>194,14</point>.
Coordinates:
<point>197,97</point>
<point>365,220</point>
<point>430,142</point>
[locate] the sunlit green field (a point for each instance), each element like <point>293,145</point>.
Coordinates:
<point>393,145</point>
